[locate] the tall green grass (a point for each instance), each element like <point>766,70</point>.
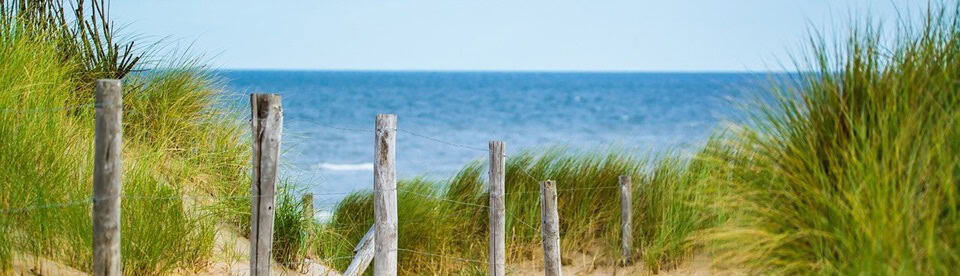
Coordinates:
<point>293,230</point>
<point>449,218</point>
<point>181,154</point>
<point>46,161</point>
<point>82,31</point>
<point>855,170</point>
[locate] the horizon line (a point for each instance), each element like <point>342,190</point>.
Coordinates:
<point>507,71</point>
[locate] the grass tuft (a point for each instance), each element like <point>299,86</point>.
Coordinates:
<point>180,153</point>
<point>854,169</point>
<point>450,218</point>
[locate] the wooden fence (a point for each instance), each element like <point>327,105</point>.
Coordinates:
<point>379,244</point>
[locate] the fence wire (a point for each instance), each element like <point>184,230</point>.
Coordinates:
<point>448,143</point>
<point>58,108</point>
<point>444,199</point>
<point>323,181</point>
<point>91,200</point>
<point>39,207</point>
<point>443,256</point>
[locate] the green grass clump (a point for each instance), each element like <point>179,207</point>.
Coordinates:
<point>180,153</point>
<point>673,207</point>
<point>47,161</point>
<point>292,228</point>
<point>450,218</point>
<point>855,170</point>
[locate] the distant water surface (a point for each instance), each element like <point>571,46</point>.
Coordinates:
<point>447,118</point>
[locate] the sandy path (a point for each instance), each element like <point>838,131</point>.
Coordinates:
<point>583,264</point>
<point>26,264</point>
<point>229,258</point>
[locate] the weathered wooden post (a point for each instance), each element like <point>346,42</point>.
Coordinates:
<point>362,255</point>
<point>266,120</point>
<point>550,228</point>
<point>107,178</point>
<point>626,218</point>
<point>497,180</point>
<point>307,203</point>
<point>385,196</point>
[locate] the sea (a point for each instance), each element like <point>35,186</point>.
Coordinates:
<point>446,119</point>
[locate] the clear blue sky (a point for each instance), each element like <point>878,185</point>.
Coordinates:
<point>599,35</point>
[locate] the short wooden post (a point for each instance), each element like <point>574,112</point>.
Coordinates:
<point>362,255</point>
<point>308,206</point>
<point>497,257</point>
<point>266,113</point>
<point>626,218</point>
<point>550,228</point>
<point>385,196</point>
<point>107,178</point>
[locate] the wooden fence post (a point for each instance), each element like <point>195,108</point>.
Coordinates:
<point>266,113</point>
<point>385,196</point>
<point>308,206</point>
<point>497,180</point>
<point>107,178</point>
<point>626,218</point>
<point>550,228</point>
<point>362,255</point>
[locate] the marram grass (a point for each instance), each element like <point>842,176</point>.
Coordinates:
<point>47,167</point>
<point>450,218</point>
<point>855,170</point>
<point>183,158</point>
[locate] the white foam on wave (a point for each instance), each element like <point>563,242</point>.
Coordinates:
<point>323,216</point>
<point>345,167</point>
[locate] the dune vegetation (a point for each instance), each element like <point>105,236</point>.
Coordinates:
<point>855,170</point>
<point>185,161</point>
<point>850,168</point>
<point>450,218</point>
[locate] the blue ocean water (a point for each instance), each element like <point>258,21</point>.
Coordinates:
<point>447,118</point>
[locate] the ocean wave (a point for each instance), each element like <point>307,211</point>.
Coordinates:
<point>345,167</point>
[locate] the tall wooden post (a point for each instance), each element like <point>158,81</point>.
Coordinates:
<point>626,218</point>
<point>385,196</point>
<point>266,120</point>
<point>550,228</point>
<point>307,203</point>
<point>497,257</point>
<point>107,178</point>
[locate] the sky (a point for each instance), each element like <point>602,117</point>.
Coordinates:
<point>491,35</point>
